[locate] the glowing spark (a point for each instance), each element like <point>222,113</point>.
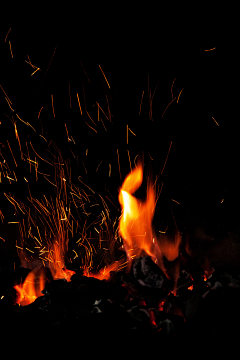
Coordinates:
<point>210,49</point>
<point>104,76</point>
<point>119,166</point>
<point>48,67</point>
<point>166,158</point>
<point>9,105</point>
<point>86,185</point>
<point>99,107</point>
<point>53,106</point>
<point>172,87</point>
<point>6,94</point>
<point>129,160</point>
<point>7,35</point>
<point>215,121</point>
<point>2,239</point>
<point>40,156</point>
<point>141,103</point>
<point>12,153</point>
<point>79,104</point>
<point>132,132</point>
<point>76,254</point>
<point>67,132</point>
<point>19,247</point>
<point>222,201</point>
<point>168,106</point>
<point>96,230</point>
<point>127,134</point>
<point>91,127</point>
<point>43,137</point>
<point>109,170</point>
<point>40,112</point>
<point>13,222</point>
<point>176,201</point>
<point>49,181</point>
<point>179,95</point>
<point>8,177</point>
<point>103,124</point>
<point>11,49</point>
<point>25,179</point>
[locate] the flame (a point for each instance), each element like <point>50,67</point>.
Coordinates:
<point>31,288</point>
<point>135,223</point>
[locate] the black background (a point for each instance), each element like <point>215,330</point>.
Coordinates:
<point>132,50</point>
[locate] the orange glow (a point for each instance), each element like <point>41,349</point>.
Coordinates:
<point>190,287</point>
<point>31,288</point>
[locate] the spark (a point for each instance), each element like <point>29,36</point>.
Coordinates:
<point>26,123</point>
<point>131,131</point>
<point>50,181</point>
<point>168,105</point>
<point>141,103</point>
<point>19,247</point>
<point>109,170</point>
<point>99,107</point>
<point>85,185</point>
<point>67,132</point>
<point>104,76</point>
<point>96,230</point>
<point>13,222</point>
<point>215,121</point>
<point>211,49</point>
<point>43,137</point>
<point>5,94</point>
<point>2,239</point>
<point>79,104</point>
<point>129,160</point>
<point>76,255</point>
<point>9,105</point>
<point>40,156</point>
<point>53,106</point>
<point>91,127</point>
<point>11,48</point>
<point>176,201</point>
<point>166,157</point>
<point>47,68</point>
<point>12,153</point>
<point>222,201</point>
<point>179,95</point>
<point>172,87</point>
<point>7,35</point>
<point>119,166</point>
<point>103,124</point>
<point>33,66</point>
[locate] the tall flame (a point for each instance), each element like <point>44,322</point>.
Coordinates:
<point>135,223</point>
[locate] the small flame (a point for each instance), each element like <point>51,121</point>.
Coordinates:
<point>31,288</point>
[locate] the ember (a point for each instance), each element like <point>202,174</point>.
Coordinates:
<point>98,245</point>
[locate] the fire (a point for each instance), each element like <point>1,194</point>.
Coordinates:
<point>31,288</point>
<point>135,225</point>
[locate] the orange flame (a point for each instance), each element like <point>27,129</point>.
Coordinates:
<point>31,288</point>
<point>135,222</point>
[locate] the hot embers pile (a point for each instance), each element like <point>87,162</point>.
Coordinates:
<point>139,306</point>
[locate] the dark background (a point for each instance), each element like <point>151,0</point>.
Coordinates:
<point>133,51</point>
